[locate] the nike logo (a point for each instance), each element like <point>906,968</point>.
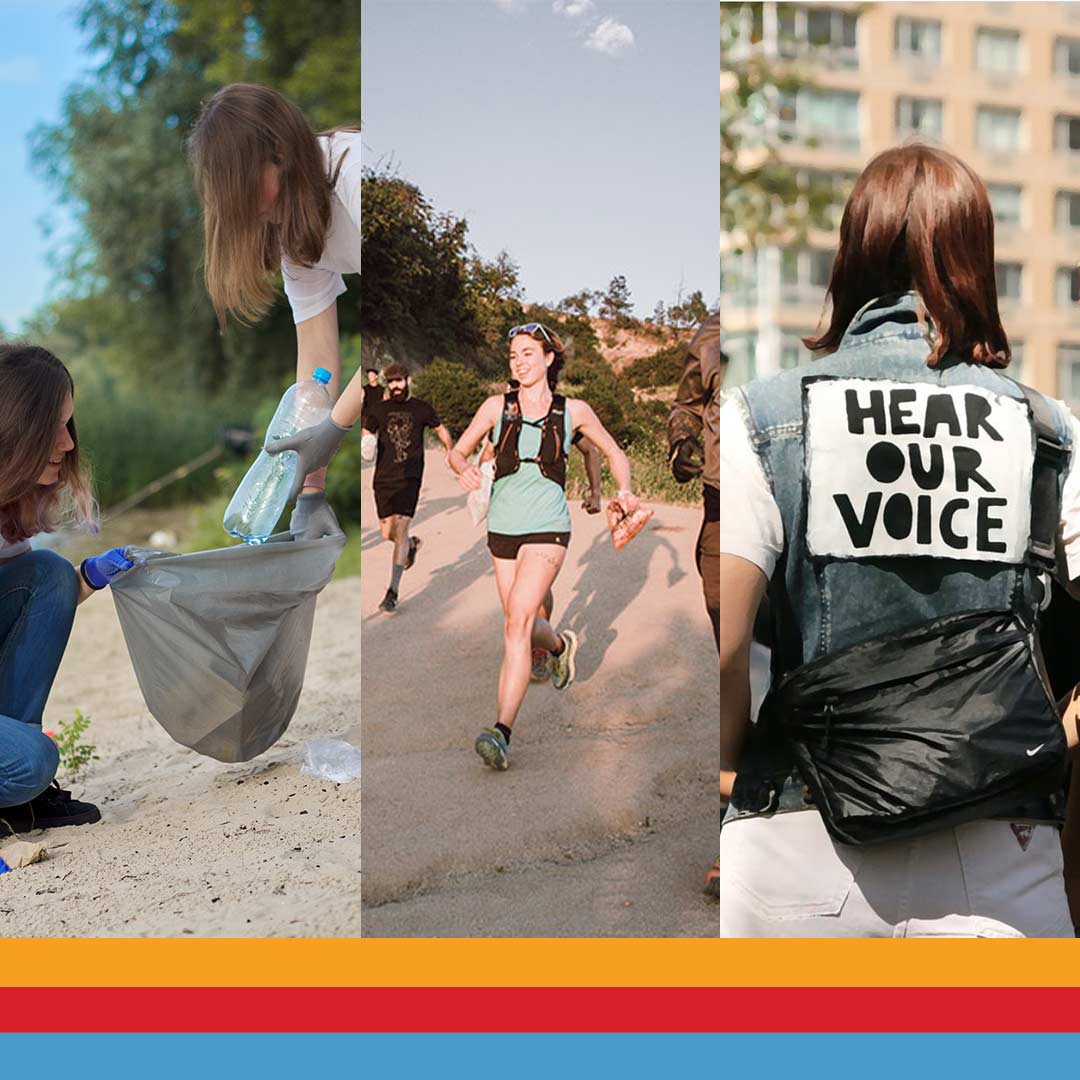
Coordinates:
<point>1032,753</point>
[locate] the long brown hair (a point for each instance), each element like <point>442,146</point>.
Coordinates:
<point>33,388</point>
<point>241,129</point>
<point>919,218</point>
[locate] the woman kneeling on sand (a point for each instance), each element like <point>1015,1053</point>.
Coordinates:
<point>528,519</point>
<point>41,483</point>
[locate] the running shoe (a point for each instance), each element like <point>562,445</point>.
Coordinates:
<point>389,601</point>
<point>562,666</point>
<point>541,666</point>
<point>51,809</point>
<point>491,746</point>
<point>414,547</point>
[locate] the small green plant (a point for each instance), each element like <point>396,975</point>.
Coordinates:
<point>75,754</point>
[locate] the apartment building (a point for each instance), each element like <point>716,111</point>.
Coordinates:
<point>996,83</point>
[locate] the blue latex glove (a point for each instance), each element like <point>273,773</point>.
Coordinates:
<point>99,570</point>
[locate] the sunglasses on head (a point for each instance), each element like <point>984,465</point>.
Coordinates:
<point>530,328</point>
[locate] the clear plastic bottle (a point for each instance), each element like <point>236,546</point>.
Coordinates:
<point>254,510</point>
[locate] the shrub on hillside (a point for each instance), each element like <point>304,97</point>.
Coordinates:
<point>662,368</point>
<point>610,397</point>
<point>455,390</point>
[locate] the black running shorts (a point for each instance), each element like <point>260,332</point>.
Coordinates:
<point>399,500</point>
<point>507,547</point>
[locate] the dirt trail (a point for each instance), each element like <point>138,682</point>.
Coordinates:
<point>608,816</point>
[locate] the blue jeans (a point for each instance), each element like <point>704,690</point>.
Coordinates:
<point>38,593</point>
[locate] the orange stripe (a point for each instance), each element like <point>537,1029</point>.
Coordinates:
<point>536,962</point>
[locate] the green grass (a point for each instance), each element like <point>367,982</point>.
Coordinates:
<point>649,471</point>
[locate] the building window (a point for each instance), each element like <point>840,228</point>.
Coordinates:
<point>826,193</point>
<point>918,38</point>
<point>1067,134</point>
<point>805,275</point>
<point>1006,202</point>
<point>1016,362</point>
<point>1010,281</point>
<point>829,117</point>
<point>738,279</point>
<point>1067,56</point>
<point>740,350</point>
<point>997,130</point>
<point>1068,358</point>
<point>918,116</point>
<point>792,351</point>
<point>1067,210</point>
<point>818,29</point>
<point>997,51</point>
<point>1067,286</point>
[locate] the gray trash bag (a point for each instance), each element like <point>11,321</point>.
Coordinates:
<point>219,639</point>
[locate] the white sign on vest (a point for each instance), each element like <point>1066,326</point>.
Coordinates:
<point>916,469</point>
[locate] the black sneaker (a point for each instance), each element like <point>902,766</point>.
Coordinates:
<point>53,808</point>
<point>389,601</point>
<point>414,547</point>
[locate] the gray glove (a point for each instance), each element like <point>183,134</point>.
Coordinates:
<point>314,446</point>
<point>312,518</point>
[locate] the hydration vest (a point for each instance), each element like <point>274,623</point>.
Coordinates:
<point>552,459</point>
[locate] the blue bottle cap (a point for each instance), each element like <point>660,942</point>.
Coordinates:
<point>320,374</point>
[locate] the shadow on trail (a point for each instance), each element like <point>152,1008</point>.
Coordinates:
<point>593,611</point>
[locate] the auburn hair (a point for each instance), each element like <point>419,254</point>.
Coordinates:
<point>919,219</point>
<point>240,130</point>
<point>34,386</point>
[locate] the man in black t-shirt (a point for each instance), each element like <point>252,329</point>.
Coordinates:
<point>399,422</point>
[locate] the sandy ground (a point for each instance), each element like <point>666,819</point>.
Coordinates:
<point>608,817</point>
<point>186,844</point>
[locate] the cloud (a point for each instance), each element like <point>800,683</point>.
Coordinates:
<point>573,9</point>
<point>610,37</point>
<point>19,70</point>
<point>510,6</point>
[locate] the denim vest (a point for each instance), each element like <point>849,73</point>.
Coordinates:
<point>823,605</point>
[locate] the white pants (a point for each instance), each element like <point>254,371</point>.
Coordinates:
<point>782,876</point>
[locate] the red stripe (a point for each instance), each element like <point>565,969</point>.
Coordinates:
<point>239,1009</point>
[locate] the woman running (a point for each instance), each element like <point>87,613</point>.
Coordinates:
<point>42,483</point>
<point>528,519</point>
<point>277,196</point>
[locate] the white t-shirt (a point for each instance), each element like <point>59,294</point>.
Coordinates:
<point>750,522</point>
<point>312,289</point>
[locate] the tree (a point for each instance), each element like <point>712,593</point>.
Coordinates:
<point>580,303</point>
<point>688,313</point>
<point>616,304</point>
<point>763,198</point>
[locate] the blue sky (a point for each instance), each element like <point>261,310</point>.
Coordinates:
<point>580,135</point>
<point>41,57</point>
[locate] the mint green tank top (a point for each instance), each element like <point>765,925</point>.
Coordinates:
<point>527,501</point>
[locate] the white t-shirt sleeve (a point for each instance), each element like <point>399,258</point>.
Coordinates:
<point>750,522</point>
<point>1070,506</point>
<point>310,289</point>
<point>349,175</point>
